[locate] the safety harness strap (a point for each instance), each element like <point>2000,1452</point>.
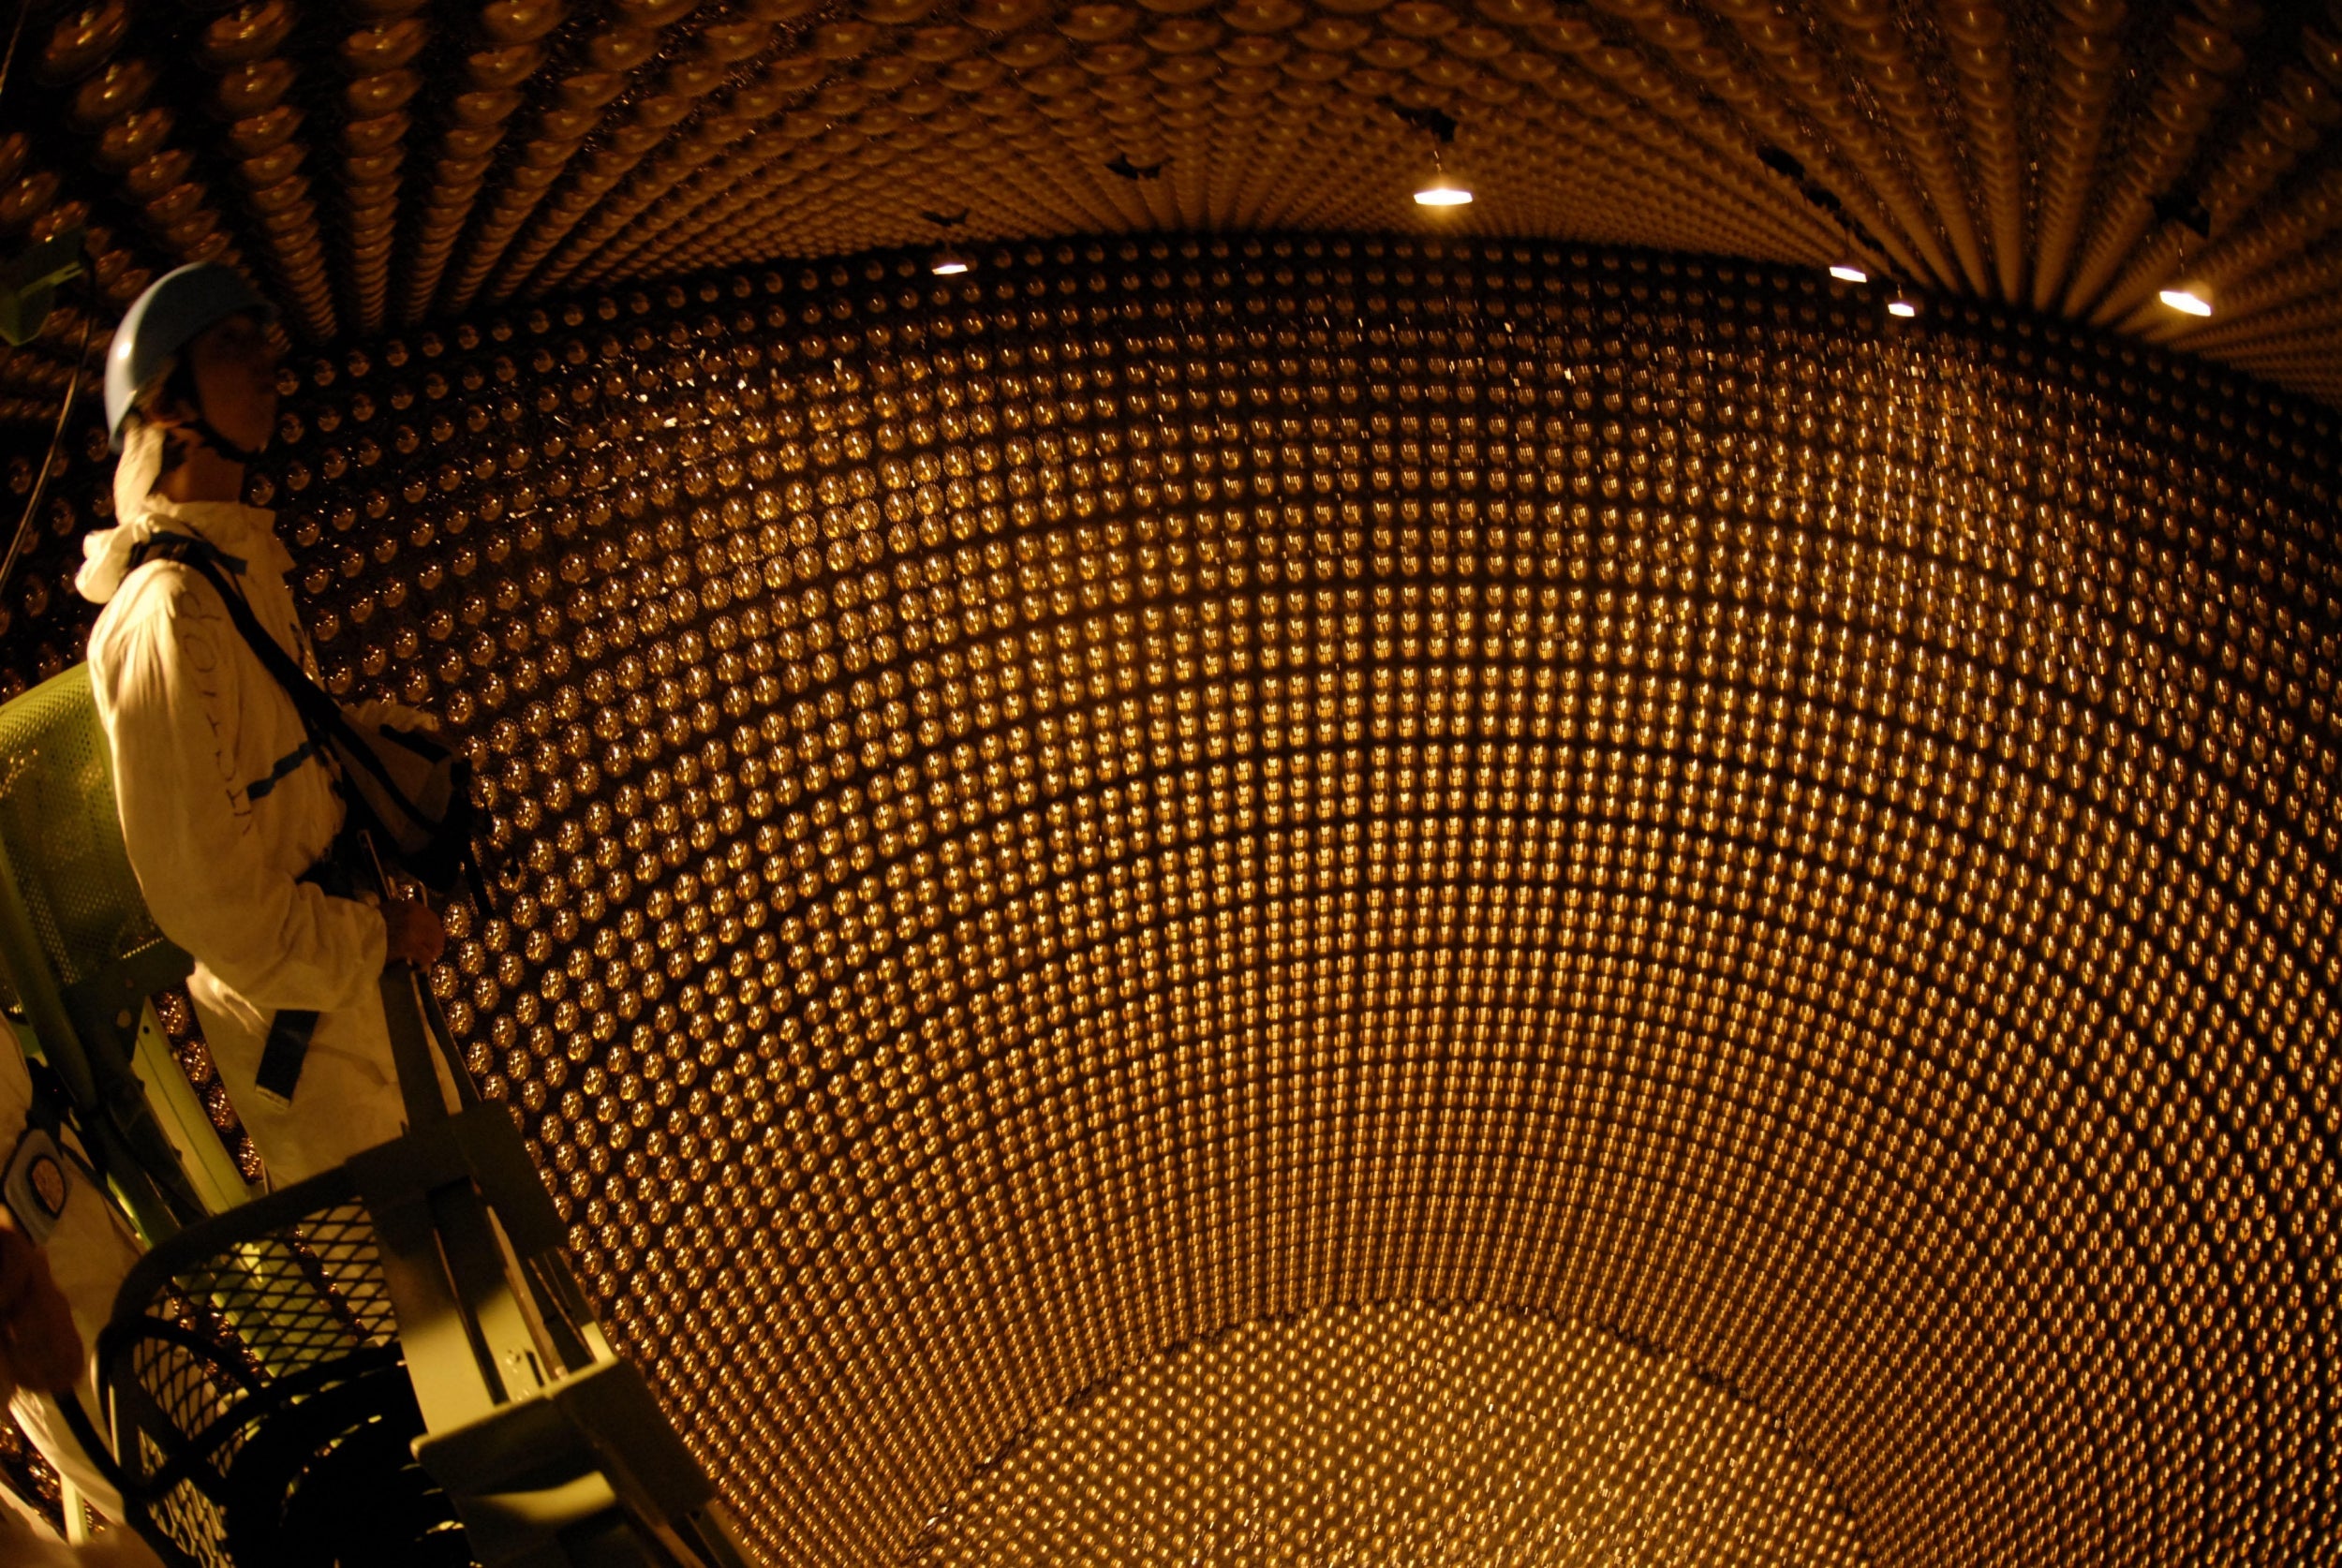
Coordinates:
<point>285,1050</point>
<point>182,383</point>
<point>259,787</point>
<point>172,545</point>
<point>320,715</point>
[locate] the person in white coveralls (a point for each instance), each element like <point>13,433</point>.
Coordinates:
<point>43,1341</point>
<point>228,811</point>
<point>79,1266</point>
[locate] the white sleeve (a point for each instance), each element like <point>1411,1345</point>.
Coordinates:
<point>277,941</point>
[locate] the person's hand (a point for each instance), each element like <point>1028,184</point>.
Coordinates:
<point>39,1347</point>
<point>415,934</point>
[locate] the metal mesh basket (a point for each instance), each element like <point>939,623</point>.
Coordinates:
<point>61,833</point>
<point>267,1418</point>
<point>259,1388</point>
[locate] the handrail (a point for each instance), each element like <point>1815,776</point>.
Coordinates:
<point>429,1253</point>
<point>247,1223</point>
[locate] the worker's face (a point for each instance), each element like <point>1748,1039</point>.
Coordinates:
<point>234,365</point>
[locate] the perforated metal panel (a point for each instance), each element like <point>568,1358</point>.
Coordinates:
<point>62,834</point>
<point>216,1355</point>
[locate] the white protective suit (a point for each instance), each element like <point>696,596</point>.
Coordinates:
<point>224,805</point>
<point>89,1250</point>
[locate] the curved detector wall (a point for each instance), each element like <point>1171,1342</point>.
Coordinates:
<point>1160,785</point>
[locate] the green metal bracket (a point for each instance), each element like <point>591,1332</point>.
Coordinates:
<point>29,283</point>
<point>137,1153</point>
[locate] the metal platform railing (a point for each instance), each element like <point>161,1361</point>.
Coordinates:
<point>256,1379</point>
<point>389,1364</point>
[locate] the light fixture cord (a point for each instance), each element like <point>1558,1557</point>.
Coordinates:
<point>8,61</point>
<point>49,458</point>
<point>73,372</point>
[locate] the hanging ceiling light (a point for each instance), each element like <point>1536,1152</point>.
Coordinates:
<point>949,261</point>
<point>1902,305</point>
<point>2188,299</point>
<point>1442,189</point>
<point>1845,274</point>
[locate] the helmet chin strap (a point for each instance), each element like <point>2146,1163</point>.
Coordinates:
<point>190,398</point>
<point>212,437</point>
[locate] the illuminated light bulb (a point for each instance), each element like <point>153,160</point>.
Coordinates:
<point>1850,275</point>
<point>949,262</point>
<point>1440,189</point>
<point>1902,305</point>
<point>2188,299</point>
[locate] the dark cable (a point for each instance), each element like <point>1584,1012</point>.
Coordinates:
<point>73,377</point>
<point>49,459</point>
<point>8,61</point>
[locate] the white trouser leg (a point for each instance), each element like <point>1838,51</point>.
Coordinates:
<point>347,1098</point>
<point>89,1251</point>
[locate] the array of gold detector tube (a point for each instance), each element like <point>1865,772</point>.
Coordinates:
<point>1443,1436</point>
<point>1174,860</point>
<point>380,165</point>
